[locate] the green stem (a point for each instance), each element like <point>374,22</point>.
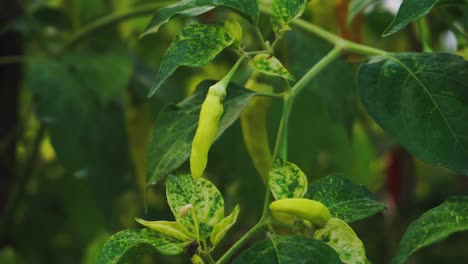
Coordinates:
<point>23,179</point>
<point>241,242</point>
<point>112,19</point>
<point>227,78</point>
<point>425,34</point>
<point>330,37</point>
<point>316,69</point>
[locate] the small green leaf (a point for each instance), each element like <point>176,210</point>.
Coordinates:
<point>287,180</point>
<point>287,10</point>
<point>195,46</point>
<point>420,99</point>
<point>433,226</point>
<point>341,237</point>
<point>344,199</point>
<point>246,8</point>
<point>207,202</point>
<point>288,249</point>
<point>411,10</point>
<point>176,125</point>
<point>127,244</point>
<point>171,229</point>
<point>355,7</point>
<point>270,65</point>
<point>220,229</point>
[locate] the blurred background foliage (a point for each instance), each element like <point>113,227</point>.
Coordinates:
<point>76,122</point>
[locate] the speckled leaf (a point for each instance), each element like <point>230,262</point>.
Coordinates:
<point>246,8</point>
<point>433,226</point>
<point>287,180</point>
<point>194,46</point>
<point>130,243</point>
<point>270,65</point>
<point>411,10</point>
<point>345,200</point>
<point>203,195</point>
<point>171,229</point>
<point>288,249</point>
<point>176,125</point>
<point>220,229</point>
<point>287,10</point>
<point>355,7</point>
<point>341,237</point>
<point>421,100</point>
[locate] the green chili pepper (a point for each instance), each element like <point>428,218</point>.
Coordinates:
<point>254,129</point>
<point>310,210</point>
<point>210,114</point>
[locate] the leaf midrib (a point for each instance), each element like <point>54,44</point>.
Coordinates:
<point>410,72</point>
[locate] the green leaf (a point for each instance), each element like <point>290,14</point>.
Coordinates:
<point>106,73</point>
<point>221,228</point>
<point>341,237</point>
<point>355,7</point>
<point>287,10</point>
<point>130,243</point>
<point>345,200</point>
<point>246,8</point>
<point>287,180</point>
<point>176,125</point>
<point>171,229</point>
<point>335,84</point>
<point>195,46</point>
<point>433,226</point>
<point>411,10</point>
<point>288,249</point>
<point>207,202</point>
<point>88,134</point>
<point>270,65</point>
<point>420,99</point>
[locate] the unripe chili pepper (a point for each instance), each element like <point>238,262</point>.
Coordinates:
<point>210,114</point>
<point>310,210</point>
<point>254,128</point>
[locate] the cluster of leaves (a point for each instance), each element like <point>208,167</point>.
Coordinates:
<point>418,98</point>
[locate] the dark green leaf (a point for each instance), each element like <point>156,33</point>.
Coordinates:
<point>335,84</point>
<point>345,200</point>
<point>194,46</point>
<point>88,135</point>
<point>433,226</point>
<point>207,202</point>
<point>421,100</point>
<point>411,10</point>
<point>287,10</point>
<point>130,243</point>
<point>289,249</point>
<point>355,7</point>
<point>246,8</point>
<point>176,125</point>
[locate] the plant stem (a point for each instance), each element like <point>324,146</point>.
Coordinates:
<point>23,179</point>
<point>330,37</point>
<point>241,241</point>
<point>317,68</point>
<point>424,34</point>
<point>114,18</point>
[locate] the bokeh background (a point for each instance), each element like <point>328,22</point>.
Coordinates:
<point>75,122</point>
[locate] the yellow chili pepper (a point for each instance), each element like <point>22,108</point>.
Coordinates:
<point>310,210</point>
<point>210,114</point>
<point>254,128</point>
